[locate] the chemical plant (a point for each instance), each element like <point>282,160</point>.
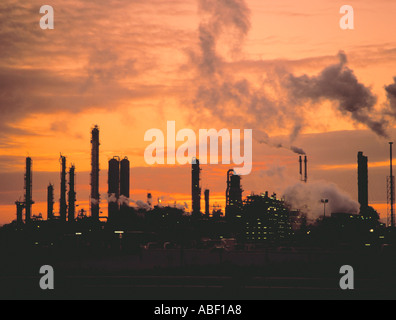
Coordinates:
<point>255,220</point>
<point>256,234</point>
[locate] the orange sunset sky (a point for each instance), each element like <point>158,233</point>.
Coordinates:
<point>282,68</point>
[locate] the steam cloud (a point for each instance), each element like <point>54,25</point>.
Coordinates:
<point>282,99</point>
<point>123,201</point>
<point>307,198</point>
<point>141,205</point>
<point>338,83</point>
<point>391,95</point>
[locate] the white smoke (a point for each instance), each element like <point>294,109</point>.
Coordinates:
<point>123,201</point>
<point>141,204</point>
<point>307,197</point>
<point>111,198</point>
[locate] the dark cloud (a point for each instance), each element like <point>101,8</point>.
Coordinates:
<point>94,58</point>
<point>339,84</point>
<point>391,95</point>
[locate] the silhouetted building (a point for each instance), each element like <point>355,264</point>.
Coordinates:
<point>20,206</point>
<point>62,201</point>
<point>95,197</point>
<point>233,194</point>
<point>362,180</point>
<point>72,194</point>
<point>265,219</point>
<point>196,188</point>
<point>50,202</point>
<point>28,190</point>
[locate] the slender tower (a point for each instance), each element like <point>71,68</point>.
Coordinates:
<point>113,186</point>
<point>28,191</point>
<point>62,201</point>
<point>125,178</point>
<point>50,202</point>
<point>301,170</point>
<point>362,180</point>
<point>207,203</point>
<point>196,188</point>
<point>72,194</point>
<point>95,197</point>
<point>392,188</point>
<point>305,169</point>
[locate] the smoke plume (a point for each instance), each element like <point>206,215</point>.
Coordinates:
<point>278,98</point>
<point>391,95</point>
<point>123,201</point>
<point>307,197</point>
<point>141,205</point>
<point>339,84</point>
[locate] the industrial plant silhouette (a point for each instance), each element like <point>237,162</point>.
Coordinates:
<point>259,247</point>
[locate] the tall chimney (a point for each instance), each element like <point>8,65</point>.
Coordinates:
<point>28,190</point>
<point>301,172</point>
<point>113,187</point>
<point>72,194</point>
<point>392,188</point>
<point>95,197</point>
<point>207,203</point>
<point>306,167</point>
<point>362,180</point>
<point>63,204</point>
<point>50,202</point>
<point>125,178</point>
<point>196,188</point>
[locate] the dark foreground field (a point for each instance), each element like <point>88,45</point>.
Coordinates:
<point>272,273</point>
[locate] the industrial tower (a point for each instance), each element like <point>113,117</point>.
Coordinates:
<point>62,201</point>
<point>50,202</point>
<point>233,194</point>
<point>196,188</point>
<point>95,197</point>
<point>28,191</point>
<point>113,186</point>
<point>362,180</point>
<point>72,194</point>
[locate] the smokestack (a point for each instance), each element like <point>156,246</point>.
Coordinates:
<point>72,194</point>
<point>300,160</point>
<point>125,178</point>
<point>207,203</point>
<point>362,180</point>
<point>63,204</point>
<point>114,186</point>
<point>50,202</point>
<point>95,197</point>
<point>306,166</point>
<point>196,188</point>
<point>28,190</point>
<point>392,187</point>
